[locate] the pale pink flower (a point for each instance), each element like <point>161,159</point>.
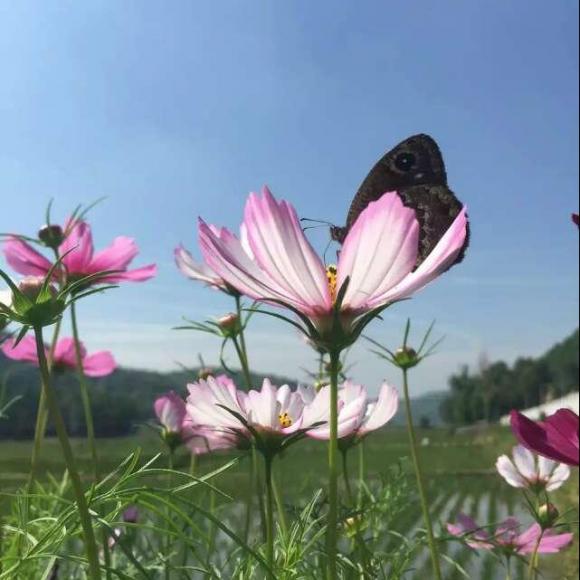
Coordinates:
<point>357,416</point>
<point>378,258</point>
<point>527,471</point>
<point>200,271</point>
<point>98,364</point>
<point>508,537</point>
<point>221,407</point>
<point>178,428</point>
<point>200,440</point>
<point>81,260</point>
<point>209,404</point>
<point>197,271</point>
<point>170,411</point>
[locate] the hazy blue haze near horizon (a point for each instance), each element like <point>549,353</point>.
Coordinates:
<point>175,110</point>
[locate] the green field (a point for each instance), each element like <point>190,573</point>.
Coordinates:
<point>459,470</point>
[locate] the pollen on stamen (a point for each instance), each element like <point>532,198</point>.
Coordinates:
<point>331,272</point>
<point>285,420</point>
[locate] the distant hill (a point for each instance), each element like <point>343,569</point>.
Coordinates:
<point>121,401</point>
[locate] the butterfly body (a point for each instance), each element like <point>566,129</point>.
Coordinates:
<point>416,171</point>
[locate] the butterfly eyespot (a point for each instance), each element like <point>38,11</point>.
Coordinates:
<point>405,161</point>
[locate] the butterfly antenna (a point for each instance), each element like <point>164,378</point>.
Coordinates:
<point>326,250</point>
<point>313,227</point>
<point>321,222</point>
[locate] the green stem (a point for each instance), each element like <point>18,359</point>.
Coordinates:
<point>533,567</point>
<point>420,481</point>
<point>168,514</point>
<point>212,529</point>
<point>84,393</point>
<point>250,496</point>
<point>106,554</point>
<point>83,510</point>
<point>509,568</point>
<point>331,530</point>
<point>345,475</point>
<point>41,415</point>
<point>269,514</point>
<point>321,367</point>
<point>244,351</point>
<point>361,470</point>
<point>280,506</point>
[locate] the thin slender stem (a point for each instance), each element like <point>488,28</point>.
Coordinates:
<point>212,529</point>
<point>250,496</point>
<point>243,364</point>
<point>320,366</point>
<point>269,514</point>
<point>533,566</point>
<point>168,514</point>
<point>244,350</point>
<point>361,470</point>
<point>84,515</point>
<point>509,568</point>
<point>84,393</point>
<point>331,531</point>
<point>346,477</point>
<point>420,482</point>
<point>41,414</point>
<point>242,353</point>
<point>280,506</point>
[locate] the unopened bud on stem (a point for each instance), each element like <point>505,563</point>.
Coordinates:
<point>406,357</point>
<point>51,236</point>
<point>548,515</point>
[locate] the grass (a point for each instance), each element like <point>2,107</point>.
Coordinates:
<point>459,469</point>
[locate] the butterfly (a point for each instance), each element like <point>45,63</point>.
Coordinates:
<point>416,171</point>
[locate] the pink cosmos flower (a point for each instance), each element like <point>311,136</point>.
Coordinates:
<point>82,259</point>
<point>508,537</point>
<point>527,471</point>
<point>170,411</point>
<point>555,438</point>
<point>200,271</point>
<point>378,258</point>
<point>268,416</point>
<point>98,364</point>
<point>178,428</point>
<point>357,416</point>
<point>197,271</point>
<point>220,406</point>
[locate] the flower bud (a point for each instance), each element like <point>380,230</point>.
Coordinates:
<point>229,324</point>
<point>35,304</point>
<point>204,373</point>
<point>318,384</point>
<point>548,515</point>
<point>406,357</point>
<point>31,286</point>
<point>354,525</point>
<point>51,236</point>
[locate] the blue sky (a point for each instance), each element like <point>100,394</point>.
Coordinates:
<point>178,109</point>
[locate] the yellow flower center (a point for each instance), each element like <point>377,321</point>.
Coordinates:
<point>331,277</point>
<point>285,420</point>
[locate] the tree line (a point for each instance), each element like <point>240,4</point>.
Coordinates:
<point>495,388</point>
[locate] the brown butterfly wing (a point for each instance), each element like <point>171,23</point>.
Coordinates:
<point>416,171</point>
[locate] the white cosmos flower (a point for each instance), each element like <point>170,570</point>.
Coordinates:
<point>528,471</point>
